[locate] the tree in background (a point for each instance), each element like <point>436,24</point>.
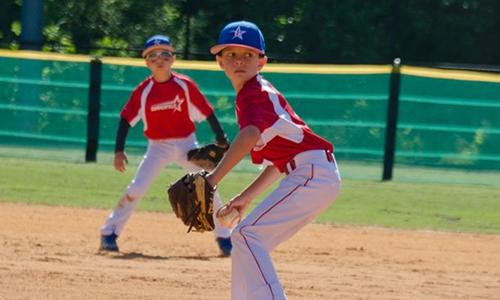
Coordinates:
<point>320,31</point>
<point>109,27</point>
<point>10,24</point>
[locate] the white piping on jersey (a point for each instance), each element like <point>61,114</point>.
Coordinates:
<point>142,111</point>
<point>194,113</point>
<point>284,126</point>
<point>266,162</point>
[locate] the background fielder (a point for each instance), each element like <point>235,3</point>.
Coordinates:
<point>168,104</point>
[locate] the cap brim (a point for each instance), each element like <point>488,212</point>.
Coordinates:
<point>157,47</point>
<point>219,48</point>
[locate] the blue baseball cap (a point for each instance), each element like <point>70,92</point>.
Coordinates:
<point>157,42</point>
<point>240,34</point>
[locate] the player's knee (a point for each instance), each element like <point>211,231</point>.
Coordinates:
<point>126,198</point>
<point>244,233</point>
<point>130,198</point>
<point>135,191</point>
<point>237,236</point>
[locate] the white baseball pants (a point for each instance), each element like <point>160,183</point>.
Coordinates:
<point>158,155</point>
<point>300,197</point>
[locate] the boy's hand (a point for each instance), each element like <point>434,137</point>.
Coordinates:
<point>120,161</point>
<point>224,146</point>
<point>240,203</point>
<point>228,217</point>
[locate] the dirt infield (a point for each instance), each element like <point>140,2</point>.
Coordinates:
<point>51,253</point>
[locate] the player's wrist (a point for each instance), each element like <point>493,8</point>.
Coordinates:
<point>223,145</point>
<point>222,140</point>
<point>211,180</point>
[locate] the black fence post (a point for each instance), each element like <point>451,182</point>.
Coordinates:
<point>93,110</point>
<point>392,120</point>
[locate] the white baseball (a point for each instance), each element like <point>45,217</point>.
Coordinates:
<point>228,218</point>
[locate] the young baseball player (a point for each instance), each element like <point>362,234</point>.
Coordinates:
<point>168,103</point>
<point>277,137</point>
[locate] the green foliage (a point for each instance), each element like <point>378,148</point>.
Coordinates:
<point>361,31</point>
<point>110,43</point>
<point>10,24</point>
<point>58,41</point>
<point>16,28</point>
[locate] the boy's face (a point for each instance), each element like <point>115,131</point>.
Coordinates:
<point>240,64</point>
<point>160,61</point>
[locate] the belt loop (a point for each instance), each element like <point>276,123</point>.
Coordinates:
<point>290,166</point>
<point>329,155</point>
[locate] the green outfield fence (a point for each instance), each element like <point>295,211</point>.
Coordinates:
<point>386,122</point>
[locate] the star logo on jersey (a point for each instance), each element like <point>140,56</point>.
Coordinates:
<point>178,103</point>
<point>238,33</point>
<point>174,105</point>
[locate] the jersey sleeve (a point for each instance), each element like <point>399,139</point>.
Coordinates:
<point>272,120</point>
<point>260,116</point>
<point>256,158</point>
<point>257,116</point>
<point>131,110</point>
<point>259,113</point>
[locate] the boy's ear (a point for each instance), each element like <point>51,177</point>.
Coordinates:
<point>219,60</point>
<point>262,62</point>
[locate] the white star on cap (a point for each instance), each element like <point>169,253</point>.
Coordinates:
<point>238,33</point>
<point>157,41</point>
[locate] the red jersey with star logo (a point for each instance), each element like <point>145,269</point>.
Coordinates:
<point>283,134</point>
<point>168,110</point>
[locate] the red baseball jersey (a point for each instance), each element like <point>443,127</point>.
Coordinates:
<point>168,110</point>
<point>283,133</point>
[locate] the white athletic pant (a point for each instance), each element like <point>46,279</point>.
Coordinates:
<point>300,197</point>
<point>158,155</point>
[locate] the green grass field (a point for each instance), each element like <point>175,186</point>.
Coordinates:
<point>448,207</point>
